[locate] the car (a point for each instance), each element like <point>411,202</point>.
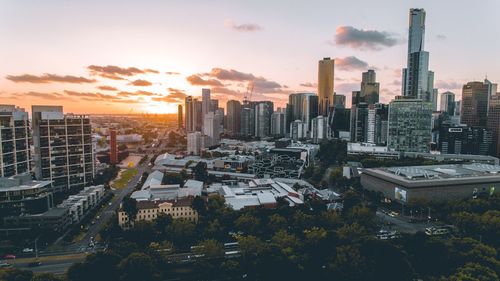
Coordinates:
<point>393,214</point>
<point>27,250</point>
<point>9,257</point>
<point>34,263</point>
<point>110,203</point>
<point>4,264</point>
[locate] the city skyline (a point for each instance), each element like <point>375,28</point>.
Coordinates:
<point>158,62</point>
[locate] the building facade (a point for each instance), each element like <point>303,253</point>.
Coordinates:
<point>64,152</point>
<point>15,140</point>
<point>409,125</point>
<point>263,112</point>
<point>233,119</point>
<point>475,99</point>
<point>326,72</point>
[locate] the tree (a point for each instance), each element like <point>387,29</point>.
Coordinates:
<point>199,205</point>
<point>251,246</point>
<point>473,272</point>
<point>138,266</point>
<point>200,171</point>
<point>288,243</point>
<point>129,206</point>
<point>181,232</point>
<point>276,223</point>
<point>209,248</point>
<point>248,224</point>
<point>14,274</point>
<point>98,267</point>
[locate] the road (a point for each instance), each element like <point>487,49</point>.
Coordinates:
<point>400,224</point>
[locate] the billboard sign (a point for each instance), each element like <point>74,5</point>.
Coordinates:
<point>400,194</point>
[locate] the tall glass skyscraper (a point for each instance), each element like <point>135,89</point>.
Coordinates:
<point>326,68</point>
<point>416,76</point>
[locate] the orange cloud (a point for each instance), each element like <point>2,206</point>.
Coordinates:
<point>48,78</point>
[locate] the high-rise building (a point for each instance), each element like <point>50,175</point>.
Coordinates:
<point>416,75</point>
<point>462,139</point>
<point>303,106</point>
<point>340,121</point>
<point>298,130</point>
<point>475,100</point>
<point>447,103</point>
<point>247,120</point>
<point>409,125</point>
<point>197,115</point>
<point>339,100</point>
<point>113,148</point>
<point>263,111</point>
<point>359,122</point>
<point>214,105</point>
<point>64,152</point>
<point>205,102</point>
<point>326,70</point>
<point>196,141</point>
<point>179,117</point>
<point>378,115</point>
<point>370,88</point>
<point>319,130</point>
<point>211,128</point>
<point>15,141</point>
<point>189,120</point>
<point>233,119</point>
<point>278,123</point>
<point>494,122</point>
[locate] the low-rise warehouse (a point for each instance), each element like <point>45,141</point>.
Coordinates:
<point>433,183</point>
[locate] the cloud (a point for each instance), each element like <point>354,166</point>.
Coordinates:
<point>140,82</point>
<point>172,73</point>
<point>107,88</point>
<point>48,78</point>
<point>49,96</point>
<point>231,74</point>
<point>246,27</point>
<point>350,63</point>
<point>343,88</point>
<point>174,96</point>
<point>364,39</point>
<point>92,96</point>
<point>196,80</point>
<point>136,94</point>
<point>116,72</point>
<point>309,85</point>
<point>448,85</point>
<point>441,37</point>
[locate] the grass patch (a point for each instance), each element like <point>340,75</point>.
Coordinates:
<point>125,177</point>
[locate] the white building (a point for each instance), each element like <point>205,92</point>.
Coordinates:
<point>298,130</point>
<point>196,141</point>
<point>278,123</point>
<point>83,202</point>
<point>211,128</point>
<point>319,130</point>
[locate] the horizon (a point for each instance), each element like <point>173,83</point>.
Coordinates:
<point>159,61</point>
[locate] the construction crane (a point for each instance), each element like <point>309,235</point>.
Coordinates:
<point>248,95</point>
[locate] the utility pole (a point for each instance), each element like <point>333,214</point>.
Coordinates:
<point>36,248</point>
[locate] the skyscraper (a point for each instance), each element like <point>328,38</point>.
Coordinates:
<point>247,120</point>
<point>447,103</point>
<point>113,147</point>
<point>263,112</point>
<point>377,123</point>
<point>64,152</point>
<point>326,69</point>
<point>370,88</point>
<point>475,100</point>
<point>416,75</point>
<point>278,123</point>
<point>359,122</point>
<point>409,125</point>
<point>179,117</point>
<point>15,141</point>
<point>205,100</point>
<point>211,128</point>
<point>339,100</point>
<point>233,122</point>
<point>189,120</point>
<point>494,122</point>
<point>197,115</point>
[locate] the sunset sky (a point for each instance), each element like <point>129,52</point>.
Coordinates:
<point>96,56</point>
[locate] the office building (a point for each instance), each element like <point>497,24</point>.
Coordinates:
<point>263,111</point>
<point>64,152</point>
<point>197,115</point>
<point>205,102</point>
<point>319,129</point>
<point>475,100</point>
<point>359,122</point>
<point>494,122</point>
<point>326,69</point>
<point>303,106</point>
<point>113,148</point>
<point>247,120</point>
<point>339,100</point>
<point>340,121</point>
<point>211,128</point>
<point>298,130</point>
<point>179,117</point>
<point>447,103</point>
<point>378,115</point>
<point>432,183</point>
<point>461,139</point>
<point>233,119</point>
<point>278,123</point>
<point>370,88</point>
<point>416,76</point>
<point>15,140</point>
<point>196,142</point>
<point>189,118</point>
<point>409,125</point>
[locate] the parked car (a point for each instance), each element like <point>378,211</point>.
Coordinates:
<point>34,263</point>
<point>27,250</point>
<point>9,257</point>
<point>393,214</point>
<point>4,264</point>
